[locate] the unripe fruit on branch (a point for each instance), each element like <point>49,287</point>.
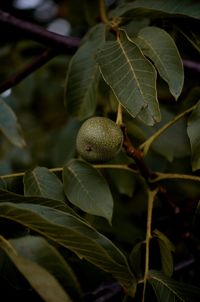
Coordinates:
<point>99,140</point>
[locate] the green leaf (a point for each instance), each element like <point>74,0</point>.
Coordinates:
<point>166,249</point>
<point>131,77</point>
<point>41,182</point>
<point>74,234</point>
<point>9,125</point>
<point>168,290</point>
<point>39,278</point>
<point>136,259</point>
<point>194,136</point>
<point>83,75</point>
<point>158,8</point>
<point>87,189</point>
<point>16,198</point>
<point>178,147</point>
<point>159,46</point>
<point>38,250</point>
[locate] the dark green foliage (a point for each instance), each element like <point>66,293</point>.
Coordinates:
<point>120,227</point>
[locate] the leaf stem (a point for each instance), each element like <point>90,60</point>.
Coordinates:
<point>59,169</point>
<point>151,197</point>
<point>103,13</point>
<point>163,176</point>
<point>144,147</point>
<point>119,120</point>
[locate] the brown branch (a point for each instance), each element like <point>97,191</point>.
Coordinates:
<point>147,174</point>
<point>135,154</point>
<point>46,56</point>
<point>37,33</point>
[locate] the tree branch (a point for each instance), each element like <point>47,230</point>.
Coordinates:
<point>135,154</point>
<point>37,33</point>
<point>46,56</point>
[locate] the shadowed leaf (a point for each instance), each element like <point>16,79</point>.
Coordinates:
<point>194,136</point>
<point>83,75</point>
<point>87,189</point>
<point>74,234</point>
<point>168,290</point>
<point>158,8</point>
<point>39,278</point>
<point>9,125</point>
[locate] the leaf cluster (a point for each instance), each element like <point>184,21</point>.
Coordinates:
<point>129,224</point>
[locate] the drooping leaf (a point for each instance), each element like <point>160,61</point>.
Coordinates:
<point>39,278</point>
<point>87,189</point>
<point>83,75</point>
<point>9,125</point>
<point>194,136</point>
<point>166,249</point>
<point>17,198</point>
<point>74,234</point>
<point>159,46</point>
<point>168,290</point>
<point>42,182</point>
<point>158,8</point>
<point>131,77</point>
<point>38,250</point>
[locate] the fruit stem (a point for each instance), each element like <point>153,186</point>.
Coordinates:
<point>119,120</point>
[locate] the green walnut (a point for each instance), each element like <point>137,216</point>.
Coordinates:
<point>99,140</point>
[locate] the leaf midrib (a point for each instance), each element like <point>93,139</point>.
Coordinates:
<point>129,63</point>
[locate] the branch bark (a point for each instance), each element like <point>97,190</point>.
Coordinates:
<point>45,57</point>
<point>37,33</point>
<point>57,44</point>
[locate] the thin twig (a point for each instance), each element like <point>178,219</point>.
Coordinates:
<point>151,197</point>
<point>163,176</point>
<point>146,145</point>
<point>45,57</point>
<point>103,13</point>
<point>39,34</point>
